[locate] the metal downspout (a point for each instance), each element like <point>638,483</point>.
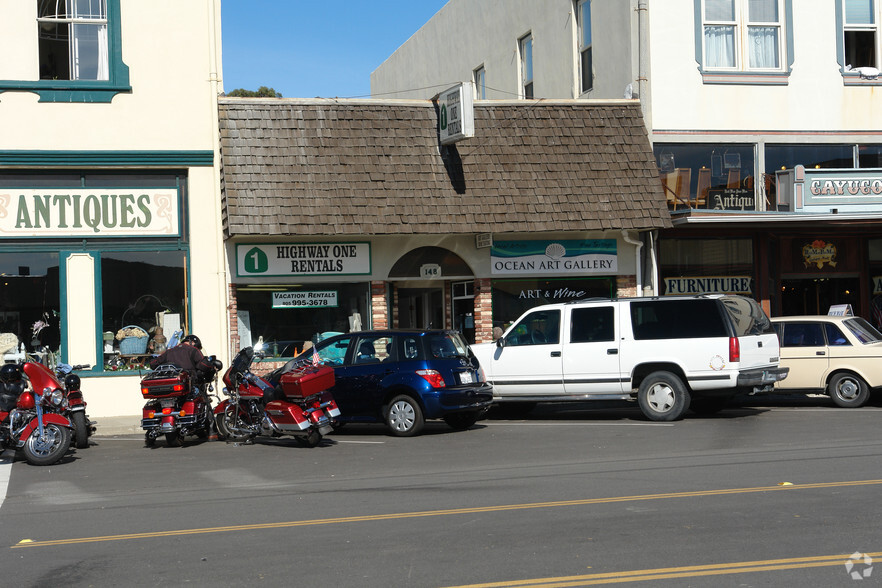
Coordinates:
<point>638,270</point>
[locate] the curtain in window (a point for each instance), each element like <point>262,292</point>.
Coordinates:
<point>763,47</point>
<point>859,11</point>
<point>719,46</point>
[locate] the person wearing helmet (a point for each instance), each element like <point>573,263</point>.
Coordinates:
<point>187,355</point>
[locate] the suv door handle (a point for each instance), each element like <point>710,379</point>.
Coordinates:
<point>613,351</point>
<point>555,354</point>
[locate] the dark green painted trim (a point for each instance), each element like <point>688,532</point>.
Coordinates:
<point>88,90</point>
<point>107,158</point>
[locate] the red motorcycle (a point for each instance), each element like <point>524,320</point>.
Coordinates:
<point>29,418</point>
<point>176,406</point>
<point>299,404</point>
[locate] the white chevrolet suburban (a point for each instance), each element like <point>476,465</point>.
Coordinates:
<point>667,352</point>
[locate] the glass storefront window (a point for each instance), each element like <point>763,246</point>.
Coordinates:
<point>869,156</point>
<point>280,319</point>
<point>29,305</point>
<point>710,176</point>
<point>875,258</point>
<point>781,157</point>
<point>511,298</point>
<point>140,291</point>
<point>699,266</point>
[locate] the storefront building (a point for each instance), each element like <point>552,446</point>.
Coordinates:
<point>819,249</point>
<point>346,215</point>
<point>109,217</point>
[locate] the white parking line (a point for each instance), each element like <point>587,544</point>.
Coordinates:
<point>336,440</point>
<point>583,424</point>
<point>6,459</point>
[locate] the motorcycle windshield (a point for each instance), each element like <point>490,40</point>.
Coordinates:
<point>242,362</point>
<point>40,376</point>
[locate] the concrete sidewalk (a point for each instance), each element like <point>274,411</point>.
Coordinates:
<point>118,425</point>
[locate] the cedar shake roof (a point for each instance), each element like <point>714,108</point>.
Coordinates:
<point>326,167</point>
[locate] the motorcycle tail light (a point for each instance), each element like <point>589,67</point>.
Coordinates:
<point>145,391</point>
<point>166,411</point>
<point>433,377</point>
<point>178,387</point>
<point>182,413</point>
<point>151,415</point>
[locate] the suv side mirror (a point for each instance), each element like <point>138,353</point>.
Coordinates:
<point>500,342</point>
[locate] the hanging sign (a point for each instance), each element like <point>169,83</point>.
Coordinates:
<point>819,253</point>
<point>456,113</point>
<point>302,259</point>
<point>89,212</point>
<point>594,256</point>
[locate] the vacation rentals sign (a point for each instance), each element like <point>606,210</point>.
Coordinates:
<point>88,212</point>
<point>591,256</point>
<point>303,259</point>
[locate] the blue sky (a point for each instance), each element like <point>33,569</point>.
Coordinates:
<point>310,48</point>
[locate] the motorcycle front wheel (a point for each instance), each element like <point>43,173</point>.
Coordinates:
<point>229,419</point>
<point>49,448</point>
<point>81,430</point>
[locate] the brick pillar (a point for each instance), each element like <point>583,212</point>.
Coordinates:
<point>379,312</point>
<point>626,286</point>
<point>483,311</point>
<point>233,317</point>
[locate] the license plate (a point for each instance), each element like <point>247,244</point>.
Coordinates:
<point>167,402</point>
<point>466,378</point>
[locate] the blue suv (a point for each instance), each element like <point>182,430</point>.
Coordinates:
<point>403,377</point>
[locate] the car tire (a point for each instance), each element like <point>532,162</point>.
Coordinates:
<point>662,396</point>
<point>462,420</point>
<point>404,417</point>
<point>848,390</point>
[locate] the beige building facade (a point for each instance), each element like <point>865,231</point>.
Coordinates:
<point>110,224</point>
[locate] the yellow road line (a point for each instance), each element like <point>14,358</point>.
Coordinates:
<point>681,572</point>
<point>448,512</point>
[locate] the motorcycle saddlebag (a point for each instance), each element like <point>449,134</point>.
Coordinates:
<point>306,381</point>
<point>165,381</point>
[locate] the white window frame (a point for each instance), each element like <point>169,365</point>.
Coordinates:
<point>87,23</point>
<point>870,27</point>
<point>742,39</point>
<point>525,51</point>
<point>584,47</point>
<point>480,77</point>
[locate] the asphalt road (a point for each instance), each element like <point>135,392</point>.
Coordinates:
<point>771,494</point>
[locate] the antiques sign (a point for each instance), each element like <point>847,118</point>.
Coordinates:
<point>89,212</point>
<point>302,259</point>
<point>731,199</point>
<point>595,256</point>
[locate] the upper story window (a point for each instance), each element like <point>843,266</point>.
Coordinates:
<point>742,34</point>
<point>860,32</point>
<point>73,39</point>
<point>79,52</point>
<point>583,12</point>
<point>480,76</point>
<point>744,41</point>
<point>526,50</point>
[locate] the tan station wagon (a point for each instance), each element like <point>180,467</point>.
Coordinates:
<point>840,356</point>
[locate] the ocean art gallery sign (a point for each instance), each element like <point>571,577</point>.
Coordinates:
<point>592,256</point>
<point>89,212</point>
<point>303,259</point>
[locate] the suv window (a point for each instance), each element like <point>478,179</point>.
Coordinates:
<point>373,349</point>
<point>447,345</point>
<point>537,328</point>
<point>333,352</point>
<point>747,316</point>
<point>592,324</point>
<point>677,319</point>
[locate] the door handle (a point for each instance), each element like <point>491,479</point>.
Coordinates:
<point>820,353</point>
<point>612,351</point>
<point>555,354</point>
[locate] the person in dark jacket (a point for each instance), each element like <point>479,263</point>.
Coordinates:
<point>188,356</point>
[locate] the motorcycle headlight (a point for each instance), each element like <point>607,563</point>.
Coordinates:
<point>56,398</point>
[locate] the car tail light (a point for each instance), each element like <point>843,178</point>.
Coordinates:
<point>433,377</point>
<point>734,350</point>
